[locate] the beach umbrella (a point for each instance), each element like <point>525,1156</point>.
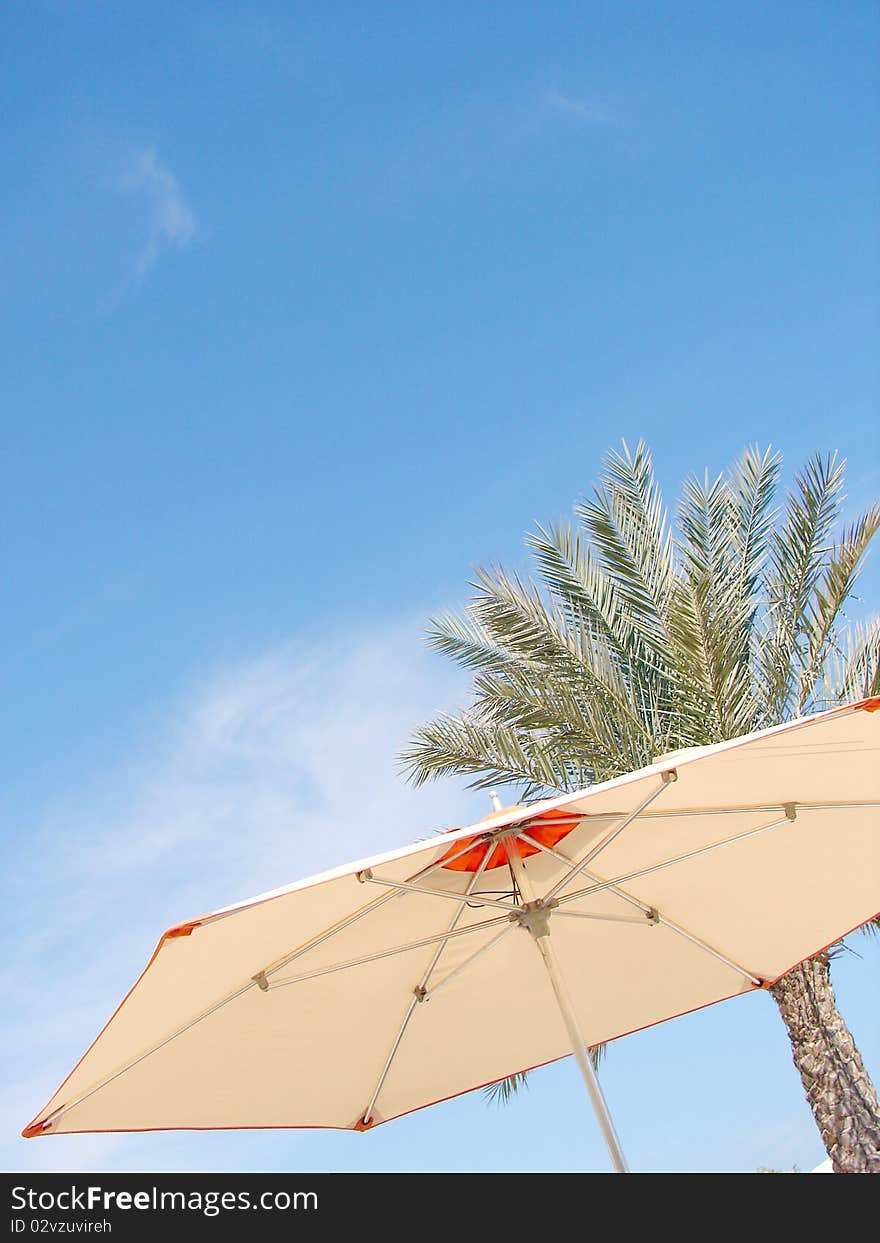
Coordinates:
<point>386,985</point>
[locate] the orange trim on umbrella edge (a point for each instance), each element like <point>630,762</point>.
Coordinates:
<point>181,930</point>
<point>872,704</point>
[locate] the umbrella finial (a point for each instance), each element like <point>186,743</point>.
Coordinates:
<point>496,801</point>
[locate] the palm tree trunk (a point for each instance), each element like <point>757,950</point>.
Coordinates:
<point>839,1090</point>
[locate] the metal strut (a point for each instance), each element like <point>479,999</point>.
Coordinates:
<point>652,915</point>
<point>537,922</point>
<point>420,992</point>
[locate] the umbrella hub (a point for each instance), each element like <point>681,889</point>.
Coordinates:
<point>535,918</point>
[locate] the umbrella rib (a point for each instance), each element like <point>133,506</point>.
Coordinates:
<point>678,813</point>
<point>654,917</point>
<point>561,858</point>
<point>659,918</point>
<point>700,944</point>
<point>321,937</point>
<point>404,887</point>
<point>135,1061</point>
<point>666,780</point>
<point>457,971</point>
<point>470,844</point>
<point>397,949</point>
<point>787,818</point>
<point>611,919</point>
<point>419,993</point>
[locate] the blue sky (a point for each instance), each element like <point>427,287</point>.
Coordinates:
<point>306,310</point>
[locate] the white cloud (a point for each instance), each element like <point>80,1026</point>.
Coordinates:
<point>171,221</point>
<point>262,773</point>
<point>579,109</point>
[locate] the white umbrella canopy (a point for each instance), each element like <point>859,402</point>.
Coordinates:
<point>372,990</point>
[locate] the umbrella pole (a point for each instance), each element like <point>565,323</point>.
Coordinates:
<point>582,1056</point>
<point>537,922</point>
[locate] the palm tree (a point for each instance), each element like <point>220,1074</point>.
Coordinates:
<point>637,637</point>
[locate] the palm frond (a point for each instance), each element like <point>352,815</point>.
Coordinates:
<point>492,754</point>
<point>536,635</point>
<point>589,741</point>
<point>702,624</point>
<point>797,553</point>
<point>752,481</point>
<point>626,521</point>
<point>834,586</point>
<point>854,666</point>
<point>503,1092</point>
<point>586,595</point>
<point>462,638</point>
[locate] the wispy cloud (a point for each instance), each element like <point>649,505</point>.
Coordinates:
<point>582,110</point>
<point>170,221</point>
<point>481,138</point>
<point>266,771</point>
